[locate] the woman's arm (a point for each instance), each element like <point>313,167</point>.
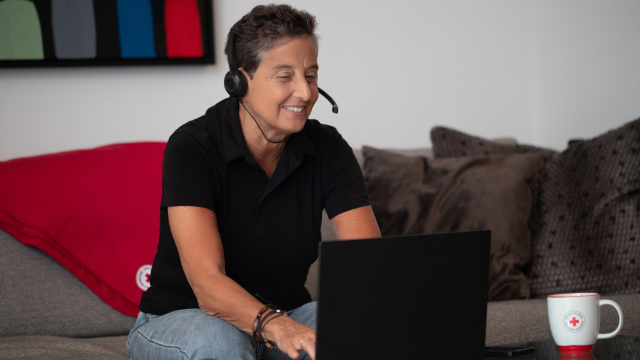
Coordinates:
<point>195,231</point>
<point>358,223</point>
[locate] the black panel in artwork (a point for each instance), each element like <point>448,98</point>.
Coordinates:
<point>107,33</point>
<point>203,29</point>
<point>206,13</point>
<point>159,35</point>
<point>43,7</point>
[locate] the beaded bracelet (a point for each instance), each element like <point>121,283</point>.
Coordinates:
<point>256,322</point>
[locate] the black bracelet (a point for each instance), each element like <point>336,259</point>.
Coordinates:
<point>264,321</point>
<point>260,325</point>
<point>275,315</point>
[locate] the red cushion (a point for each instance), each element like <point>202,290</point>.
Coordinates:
<point>95,211</point>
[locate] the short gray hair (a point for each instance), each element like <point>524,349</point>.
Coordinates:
<point>265,27</point>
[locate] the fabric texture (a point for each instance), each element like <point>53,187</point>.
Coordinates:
<point>452,143</point>
<point>61,348</point>
<point>412,195</point>
<point>94,211</point>
<point>586,222</point>
<point>269,228</point>
<point>38,296</point>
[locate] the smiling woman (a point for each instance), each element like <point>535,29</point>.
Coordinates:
<point>244,187</point>
<point>284,89</point>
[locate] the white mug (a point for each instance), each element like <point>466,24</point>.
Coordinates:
<point>575,321</point>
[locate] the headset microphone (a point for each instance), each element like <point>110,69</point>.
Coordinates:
<point>236,84</point>
<point>333,102</point>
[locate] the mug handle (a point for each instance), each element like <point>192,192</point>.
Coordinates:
<point>616,331</point>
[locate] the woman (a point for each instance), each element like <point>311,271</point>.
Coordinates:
<point>244,187</point>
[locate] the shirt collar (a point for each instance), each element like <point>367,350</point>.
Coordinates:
<point>235,146</point>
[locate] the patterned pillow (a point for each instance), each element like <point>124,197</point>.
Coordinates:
<point>586,225</point>
<point>452,143</point>
<point>412,195</point>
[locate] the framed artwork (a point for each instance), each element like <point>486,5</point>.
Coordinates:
<point>105,32</point>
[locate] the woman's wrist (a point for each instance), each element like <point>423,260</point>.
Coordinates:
<point>273,327</point>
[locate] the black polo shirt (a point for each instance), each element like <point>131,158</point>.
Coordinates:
<point>270,229</point>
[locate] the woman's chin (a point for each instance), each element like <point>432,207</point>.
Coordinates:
<point>295,125</point>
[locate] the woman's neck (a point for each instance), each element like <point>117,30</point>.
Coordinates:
<point>264,152</point>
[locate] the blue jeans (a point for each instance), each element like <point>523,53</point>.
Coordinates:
<point>192,334</point>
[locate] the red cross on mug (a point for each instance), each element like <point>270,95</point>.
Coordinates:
<point>574,321</point>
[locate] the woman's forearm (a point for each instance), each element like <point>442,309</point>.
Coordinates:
<point>196,235</point>
<point>220,296</point>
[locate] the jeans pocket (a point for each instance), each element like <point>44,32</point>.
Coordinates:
<point>149,317</point>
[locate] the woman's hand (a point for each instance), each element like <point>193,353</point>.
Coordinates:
<point>290,336</point>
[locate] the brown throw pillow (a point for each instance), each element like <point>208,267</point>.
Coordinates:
<point>587,220</point>
<point>417,195</point>
<point>452,143</point>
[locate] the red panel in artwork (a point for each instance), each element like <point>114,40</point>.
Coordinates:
<point>183,29</point>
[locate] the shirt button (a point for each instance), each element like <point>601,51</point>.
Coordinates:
<point>262,203</point>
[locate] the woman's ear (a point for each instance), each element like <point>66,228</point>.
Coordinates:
<point>247,81</point>
<point>246,76</point>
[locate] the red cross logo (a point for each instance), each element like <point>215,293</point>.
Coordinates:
<point>143,277</point>
<point>574,321</point>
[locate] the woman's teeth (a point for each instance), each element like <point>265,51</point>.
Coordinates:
<point>293,108</point>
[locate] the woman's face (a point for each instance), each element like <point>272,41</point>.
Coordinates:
<point>284,88</point>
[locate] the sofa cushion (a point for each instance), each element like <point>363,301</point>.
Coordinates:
<point>95,211</point>
<point>412,195</point>
<point>38,296</point>
<point>586,226</point>
<point>61,348</point>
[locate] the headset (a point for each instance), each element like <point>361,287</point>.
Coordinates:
<point>236,84</point>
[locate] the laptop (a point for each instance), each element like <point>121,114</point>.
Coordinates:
<point>404,297</point>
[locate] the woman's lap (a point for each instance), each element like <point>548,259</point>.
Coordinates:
<point>191,334</point>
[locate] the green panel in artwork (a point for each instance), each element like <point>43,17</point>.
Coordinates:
<point>20,34</point>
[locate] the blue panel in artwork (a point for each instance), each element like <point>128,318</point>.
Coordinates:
<point>135,23</point>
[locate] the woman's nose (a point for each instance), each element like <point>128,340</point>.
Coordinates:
<point>302,89</point>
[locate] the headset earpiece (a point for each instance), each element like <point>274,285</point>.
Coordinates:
<point>234,82</point>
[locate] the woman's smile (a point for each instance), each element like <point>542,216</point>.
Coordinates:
<point>295,110</point>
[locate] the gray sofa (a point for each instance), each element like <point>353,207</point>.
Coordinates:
<point>513,321</point>
<point>47,313</point>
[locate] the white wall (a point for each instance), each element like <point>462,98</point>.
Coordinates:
<point>585,72</point>
<point>542,71</point>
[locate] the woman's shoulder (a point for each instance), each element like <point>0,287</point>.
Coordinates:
<point>201,135</point>
<point>205,126</point>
